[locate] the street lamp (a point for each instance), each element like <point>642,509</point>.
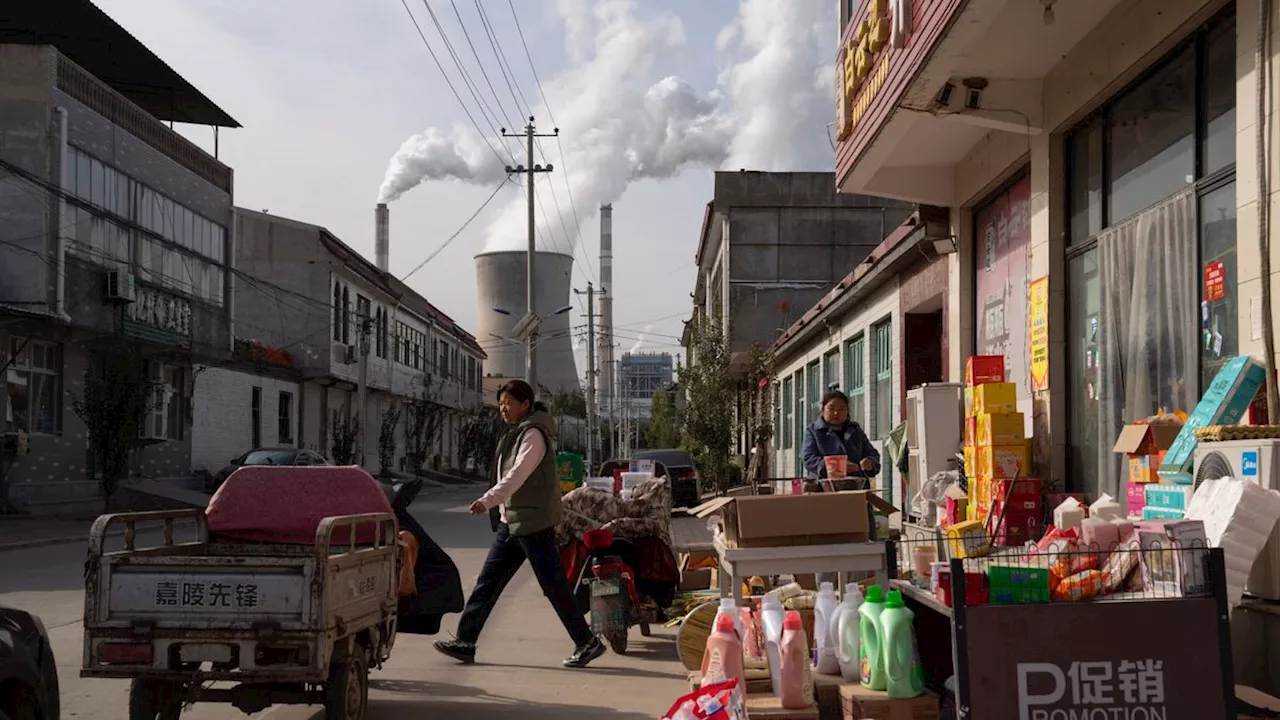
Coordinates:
<point>527,330</point>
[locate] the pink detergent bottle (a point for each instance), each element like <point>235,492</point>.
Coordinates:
<point>722,659</point>
<point>797,682</point>
<point>751,645</point>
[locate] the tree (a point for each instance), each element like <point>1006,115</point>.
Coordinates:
<point>343,431</point>
<point>478,439</point>
<point>117,396</point>
<point>387,438</point>
<point>664,424</point>
<point>710,402</point>
<point>424,418</point>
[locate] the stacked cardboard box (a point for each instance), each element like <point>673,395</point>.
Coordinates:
<point>1145,447</point>
<point>997,453</point>
<point>860,703</point>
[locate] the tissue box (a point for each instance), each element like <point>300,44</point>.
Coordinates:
<point>995,398</point>
<point>983,369</point>
<point>1162,513</point>
<point>1001,429</point>
<point>1173,556</point>
<point>1135,496</point>
<point>1224,403</point>
<point>1002,461</point>
<point>1174,497</point>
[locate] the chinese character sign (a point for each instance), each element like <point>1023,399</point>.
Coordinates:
<point>212,595</point>
<point>1103,688</point>
<point>1038,318</point>
<point>1002,283</point>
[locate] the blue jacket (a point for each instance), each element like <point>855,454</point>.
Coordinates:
<point>821,440</point>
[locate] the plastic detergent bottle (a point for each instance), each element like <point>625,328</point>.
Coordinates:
<point>796,689</point>
<point>844,627</point>
<point>903,673</point>
<point>722,660</point>
<point>730,609</point>
<point>824,641</point>
<point>751,645</point>
<point>771,618</point>
<point>870,645</point>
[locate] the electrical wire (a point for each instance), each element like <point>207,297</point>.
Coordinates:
<point>457,232</point>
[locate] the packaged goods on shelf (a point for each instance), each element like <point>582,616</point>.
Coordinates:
<point>999,429</point>
<point>968,402</point>
<point>982,369</point>
<point>970,462</point>
<point>1002,461</point>
<point>1135,498</point>
<point>1173,555</point>
<point>1173,497</point>
<point>1145,446</point>
<point>1162,513</point>
<point>1223,403</point>
<point>1017,584</point>
<point>995,398</point>
<point>967,539</point>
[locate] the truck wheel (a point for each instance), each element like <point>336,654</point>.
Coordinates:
<point>154,700</point>
<point>617,641</point>
<point>346,694</point>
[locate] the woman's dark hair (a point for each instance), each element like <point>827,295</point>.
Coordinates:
<point>834,395</point>
<point>519,390</point>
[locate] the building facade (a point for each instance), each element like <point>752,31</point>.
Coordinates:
<point>640,375</point>
<point>114,224</point>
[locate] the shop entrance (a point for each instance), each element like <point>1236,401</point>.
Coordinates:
<point>922,341</point>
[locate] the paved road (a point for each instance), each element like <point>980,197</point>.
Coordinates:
<point>518,673</point>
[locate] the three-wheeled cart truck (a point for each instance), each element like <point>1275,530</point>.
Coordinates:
<point>266,622</point>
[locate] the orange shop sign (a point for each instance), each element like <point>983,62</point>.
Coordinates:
<point>885,24</point>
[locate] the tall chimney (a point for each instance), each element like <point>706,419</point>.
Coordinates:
<point>382,237</point>
<point>604,343</point>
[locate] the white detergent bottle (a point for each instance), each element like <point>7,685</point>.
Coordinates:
<point>845,628</point>
<point>824,641</point>
<point>771,615</point>
<point>729,608</point>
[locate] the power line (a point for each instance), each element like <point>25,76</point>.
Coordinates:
<point>457,232</point>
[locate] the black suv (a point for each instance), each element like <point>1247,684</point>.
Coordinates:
<point>28,674</point>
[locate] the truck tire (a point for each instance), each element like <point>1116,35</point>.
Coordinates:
<point>154,700</point>
<point>346,694</point>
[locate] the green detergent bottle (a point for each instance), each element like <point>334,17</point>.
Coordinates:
<point>870,634</point>
<point>903,672</point>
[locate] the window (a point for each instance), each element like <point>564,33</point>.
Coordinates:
<point>285,418</point>
<point>255,417</point>
<point>1218,100</point>
<point>831,370</point>
<point>777,417</point>
<point>346,315</point>
<point>33,387</point>
<point>337,312</point>
<point>381,342</point>
<point>175,402</point>
<point>1221,329</point>
<point>813,391</point>
<point>855,378</point>
<point>882,391</point>
<point>797,421</point>
<point>442,364</point>
<point>787,410</point>
<point>364,317</point>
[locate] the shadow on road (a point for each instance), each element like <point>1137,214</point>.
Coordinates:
<point>420,695</point>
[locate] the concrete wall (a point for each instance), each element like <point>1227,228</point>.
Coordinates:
<point>27,139</point>
<point>222,428</point>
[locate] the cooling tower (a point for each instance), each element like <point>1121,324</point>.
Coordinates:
<point>500,285</point>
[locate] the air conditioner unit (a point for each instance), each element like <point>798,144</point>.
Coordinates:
<point>1251,461</point>
<point>349,355</point>
<point>120,287</point>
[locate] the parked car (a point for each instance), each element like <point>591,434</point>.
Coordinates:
<point>283,456</point>
<point>28,674</point>
<point>674,464</point>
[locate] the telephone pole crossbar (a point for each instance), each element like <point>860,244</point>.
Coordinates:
<point>530,171</point>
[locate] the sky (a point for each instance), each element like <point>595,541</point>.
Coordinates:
<point>342,106</point>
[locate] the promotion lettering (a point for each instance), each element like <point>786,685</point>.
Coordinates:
<point>1092,690</point>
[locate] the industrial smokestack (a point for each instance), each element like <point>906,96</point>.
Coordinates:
<point>382,237</point>
<point>604,343</point>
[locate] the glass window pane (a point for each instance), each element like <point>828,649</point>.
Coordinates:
<point>1220,340</point>
<point>84,176</point>
<point>1083,331</point>
<point>1219,98</point>
<point>1151,133</point>
<point>98,180</point>
<point>18,401</point>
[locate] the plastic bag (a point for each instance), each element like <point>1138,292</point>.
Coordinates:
<point>721,701</point>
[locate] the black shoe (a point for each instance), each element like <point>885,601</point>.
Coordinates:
<point>583,656</point>
<point>463,652</point>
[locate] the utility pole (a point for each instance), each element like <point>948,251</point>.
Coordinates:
<point>530,171</point>
<point>591,374</point>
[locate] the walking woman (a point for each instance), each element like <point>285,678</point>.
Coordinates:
<point>527,499</point>
<point>835,434</point>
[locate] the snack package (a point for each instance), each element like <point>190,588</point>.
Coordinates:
<point>1122,561</point>
<point>722,701</point>
<point>1071,562</point>
<point>1056,540</point>
<point>1081,586</point>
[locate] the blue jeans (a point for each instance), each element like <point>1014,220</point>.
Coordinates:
<point>506,555</point>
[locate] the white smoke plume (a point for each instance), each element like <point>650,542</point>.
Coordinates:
<point>618,124</point>
<point>644,335</point>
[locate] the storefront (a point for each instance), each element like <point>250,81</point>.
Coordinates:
<point>1087,153</point>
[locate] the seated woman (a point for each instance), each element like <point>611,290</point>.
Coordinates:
<point>835,434</point>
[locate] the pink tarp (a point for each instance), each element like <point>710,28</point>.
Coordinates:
<point>286,504</point>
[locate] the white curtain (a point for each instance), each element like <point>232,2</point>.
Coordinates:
<point>1148,325</point>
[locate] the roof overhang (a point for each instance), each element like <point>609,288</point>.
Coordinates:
<point>90,38</point>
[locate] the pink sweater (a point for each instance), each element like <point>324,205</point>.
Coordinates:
<point>532,449</point>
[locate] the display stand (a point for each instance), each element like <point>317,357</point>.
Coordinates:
<point>841,558</point>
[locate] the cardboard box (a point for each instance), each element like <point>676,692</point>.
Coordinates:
<point>1002,461</point>
<point>1021,521</point>
<point>955,509</point>
<point>981,369</point>
<point>696,569</point>
<point>1135,498</point>
<point>970,464</point>
<point>968,402</point>
<point>967,539</point>
<point>1174,497</point>
<point>789,520</point>
<point>1001,429</point>
<point>1224,403</point>
<point>1146,446</point>
<point>970,431</point>
<point>769,707</point>
<point>1019,489</point>
<point>862,703</point>
<point>995,398</point>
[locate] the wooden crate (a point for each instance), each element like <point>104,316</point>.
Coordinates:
<point>769,707</point>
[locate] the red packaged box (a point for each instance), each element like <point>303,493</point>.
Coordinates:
<point>1021,522</point>
<point>975,587</point>
<point>981,369</point>
<point>1018,489</point>
<point>1135,496</point>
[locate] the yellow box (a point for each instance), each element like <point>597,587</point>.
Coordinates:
<point>968,402</point>
<point>1001,429</point>
<point>967,539</point>
<point>970,467</point>
<point>1002,461</point>
<point>995,398</point>
<point>980,491</point>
